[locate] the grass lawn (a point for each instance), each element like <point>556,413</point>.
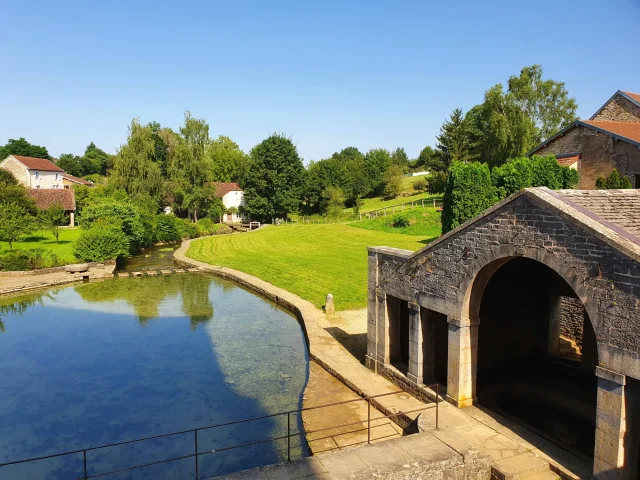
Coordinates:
<point>376,203</point>
<point>422,221</point>
<point>308,260</point>
<point>46,241</point>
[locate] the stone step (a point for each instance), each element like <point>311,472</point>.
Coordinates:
<point>519,467</point>
<point>544,476</point>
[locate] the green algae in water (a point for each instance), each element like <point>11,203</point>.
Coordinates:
<point>126,358</point>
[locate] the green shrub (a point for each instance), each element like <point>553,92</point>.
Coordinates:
<point>187,228</point>
<point>206,226</point>
<point>401,220</point>
<point>421,185</point>
<point>469,191</point>
<point>437,182</point>
<point>167,229</point>
<point>137,226</point>
<point>513,176</point>
<point>612,182</point>
<point>28,260</point>
<point>571,179</point>
<point>100,243</point>
<point>546,172</point>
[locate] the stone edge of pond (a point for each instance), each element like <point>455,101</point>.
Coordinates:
<point>22,281</point>
<point>323,348</point>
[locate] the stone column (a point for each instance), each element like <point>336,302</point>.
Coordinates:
<point>416,360</point>
<point>72,222</point>
<point>608,462</point>
<point>463,362</point>
<point>555,313</point>
<point>383,352</point>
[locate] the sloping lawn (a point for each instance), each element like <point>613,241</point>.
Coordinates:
<point>46,241</point>
<point>308,260</point>
<point>369,204</point>
<point>424,222</point>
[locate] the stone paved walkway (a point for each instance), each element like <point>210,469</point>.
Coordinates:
<point>510,446</point>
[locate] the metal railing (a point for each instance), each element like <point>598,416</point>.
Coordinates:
<point>288,436</point>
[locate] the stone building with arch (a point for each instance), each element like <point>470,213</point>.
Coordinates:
<point>531,309</point>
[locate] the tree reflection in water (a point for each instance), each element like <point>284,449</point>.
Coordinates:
<point>17,305</point>
<point>145,295</point>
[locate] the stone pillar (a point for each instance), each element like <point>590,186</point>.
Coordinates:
<point>72,221</point>
<point>555,313</point>
<point>416,360</point>
<point>383,352</point>
<point>608,462</point>
<point>463,362</point>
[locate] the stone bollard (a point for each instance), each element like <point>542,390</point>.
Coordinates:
<point>329,307</point>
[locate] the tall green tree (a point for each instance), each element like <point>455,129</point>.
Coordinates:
<point>273,186</point>
<point>96,160</point>
<point>545,102</point>
<point>22,147</point>
<point>454,142</point>
<point>53,218</point>
<point>430,160</point>
<point>228,162</point>
<point>400,158</point>
<point>134,169</point>
<point>376,163</point>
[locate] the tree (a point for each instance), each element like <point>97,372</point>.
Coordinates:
<point>469,191</point>
<point>17,195</point>
<point>454,143</point>
<point>430,160</point>
<point>612,182</point>
<point>95,160</point>
<point>545,102</point>
<point>333,202</point>
<point>71,164</point>
<point>376,163</point>
<point>7,179</point>
<point>229,163</point>
<point>400,158</point>
<point>53,218</point>
<point>273,186</point>
<point>15,221</point>
<point>393,181</point>
<point>322,175</point>
<point>134,169</point>
<point>22,147</point>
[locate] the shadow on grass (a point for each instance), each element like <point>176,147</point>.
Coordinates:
<point>427,241</point>
<point>44,241</point>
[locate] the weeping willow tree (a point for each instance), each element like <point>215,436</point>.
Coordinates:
<point>134,169</point>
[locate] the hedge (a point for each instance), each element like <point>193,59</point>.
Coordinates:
<point>100,243</point>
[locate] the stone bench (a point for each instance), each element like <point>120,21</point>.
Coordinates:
<point>77,268</point>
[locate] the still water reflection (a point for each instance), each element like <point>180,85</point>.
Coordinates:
<point>128,358</point>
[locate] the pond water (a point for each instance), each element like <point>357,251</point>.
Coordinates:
<point>152,258</point>
<point>128,358</point>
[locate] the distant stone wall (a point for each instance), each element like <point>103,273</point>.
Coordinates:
<point>18,170</point>
<point>572,319</point>
<point>601,154</point>
<point>619,110</point>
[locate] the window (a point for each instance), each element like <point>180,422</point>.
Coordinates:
<point>37,186</point>
<point>57,177</point>
<point>37,175</point>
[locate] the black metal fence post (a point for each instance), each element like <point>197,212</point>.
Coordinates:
<point>289,436</point>
<point>195,439</point>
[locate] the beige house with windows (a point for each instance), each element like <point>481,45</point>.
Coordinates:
<point>34,172</point>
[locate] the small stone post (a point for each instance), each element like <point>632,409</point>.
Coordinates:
<point>329,307</point>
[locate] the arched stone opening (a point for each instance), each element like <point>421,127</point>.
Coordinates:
<point>536,351</point>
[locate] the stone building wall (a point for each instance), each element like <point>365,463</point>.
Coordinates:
<point>18,170</point>
<point>438,277</point>
<point>572,319</point>
<point>619,110</point>
<point>601,154</point>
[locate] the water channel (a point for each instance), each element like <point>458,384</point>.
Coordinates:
<point>126,358</point>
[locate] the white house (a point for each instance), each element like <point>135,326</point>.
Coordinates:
<point>232,197</point>
<point>34,172</point>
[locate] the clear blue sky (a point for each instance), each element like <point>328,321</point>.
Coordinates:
<point>329,74</point>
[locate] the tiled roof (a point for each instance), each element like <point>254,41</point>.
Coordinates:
<point>623,129</point>
<point>635,96</point>
<point>81,181</point>
<point>567,160</point>
<point>222,188</point>
<point>38,163</point>
<point>619,207</point>
<point>45,197</point>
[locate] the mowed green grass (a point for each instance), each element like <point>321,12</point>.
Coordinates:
<point>376,203</point>
<point>424,222</point>
<point>308,260</point>
<point>46,241</point>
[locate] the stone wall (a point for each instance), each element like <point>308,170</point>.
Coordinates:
<point>572,319</point>
<point>18,170</point>
<point>606,280</point>
<point>601,154</point>
<point>619,110</point>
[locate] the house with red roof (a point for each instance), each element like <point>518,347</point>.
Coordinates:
<point>47,197</point>
<point>34,172</point>
<point>233,199</point>
<point>609,140</point>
